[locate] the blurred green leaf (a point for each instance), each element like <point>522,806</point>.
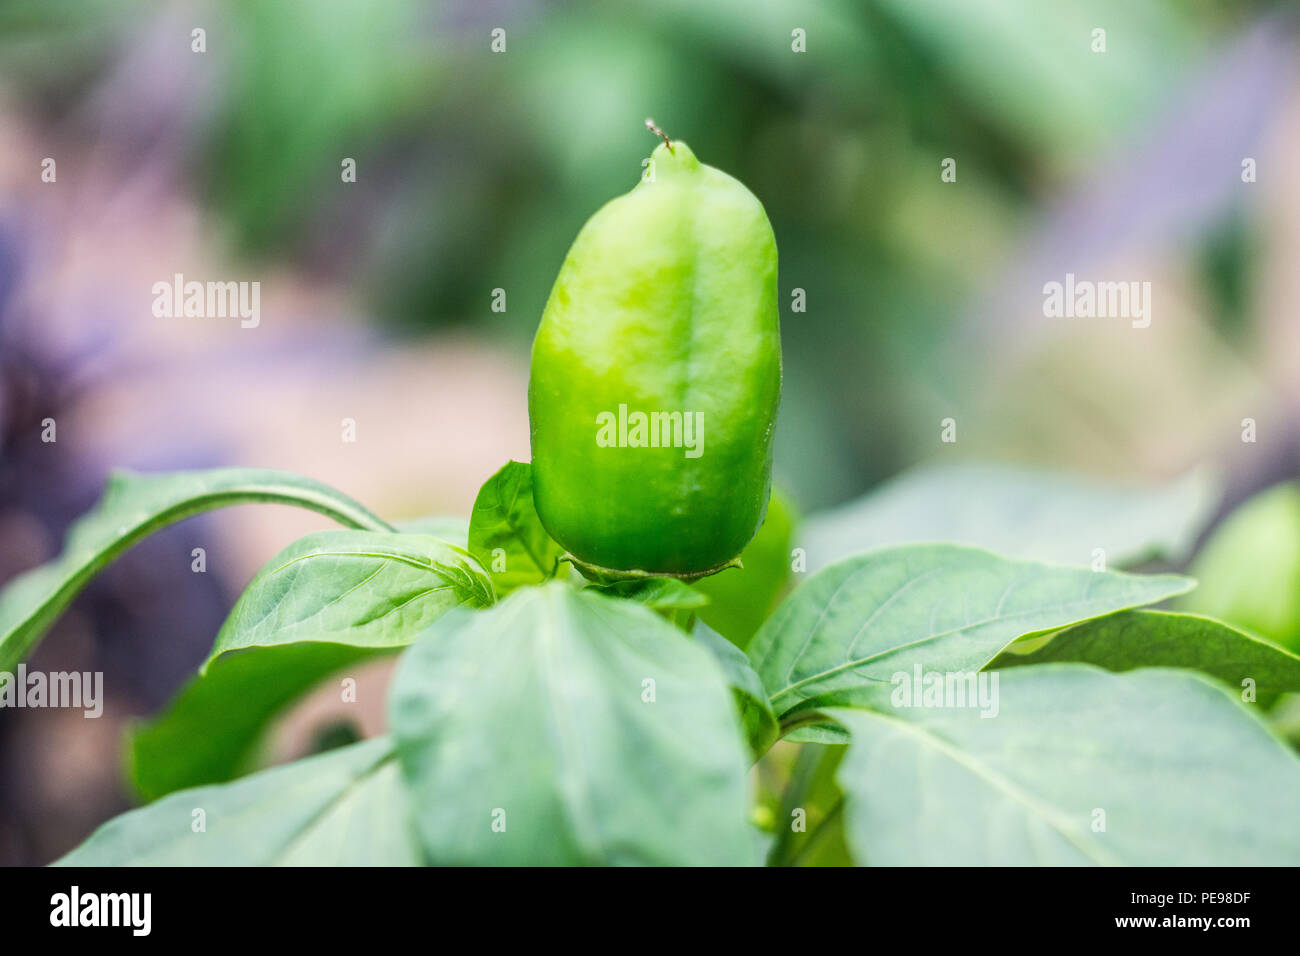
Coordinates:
<point>1020,512</point>
<point>1249,569</point>
<point>342,808</point>
<point>1080,766</point>
<point>307,83</point>
<point>212,730</point>
<point>1030,66</point>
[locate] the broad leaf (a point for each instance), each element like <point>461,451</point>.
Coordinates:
<point>328,600</point>
<point>560,727</point>
<point>1022,513</point>
<point>1122,642</point>
<point>342,808</point>
<point>505,533</point>
<point>212,729</point>
<point>751,699</point>
<point>1152,768</point>
<point>364,588</point>
<point>843,634</point>
<point>134,506</point>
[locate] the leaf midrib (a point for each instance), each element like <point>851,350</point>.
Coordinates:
<point>345,792</point>
<point>999,783</point>
<point>516,528</point>
<point>850,664</point>
<point>549,637</point>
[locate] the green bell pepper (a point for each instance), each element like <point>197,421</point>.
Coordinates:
<point>656,375</point>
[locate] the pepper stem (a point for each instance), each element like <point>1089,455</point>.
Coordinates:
<point>650,125</point>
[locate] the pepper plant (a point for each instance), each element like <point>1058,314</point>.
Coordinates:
<point>607,665</point>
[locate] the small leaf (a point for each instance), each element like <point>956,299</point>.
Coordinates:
<point>1132,639</point>
<point>133,507</point>
<point>341,808</point>
<point>1149,768</point>
<point>505,533</point>
<point>751,699</point>
<point>840,637</point>
<point>363,588</point>
<point>563,727</point>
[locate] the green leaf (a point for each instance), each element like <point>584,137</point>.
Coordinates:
<point>741,598</point>
<point>1132,639</point>
<point>747,689</point>
<point>1284,719</point>
<point>818,733</point>
<point>1022,513</point>
<point>134,506</point>
<point>1049,92</point>
<point>342,808</point>
<point>1249,569</point>
<point>328,600</point>
<point>659,593</point>
<point>211,731</point>
<point>505,532</point>
<point>527,736</point>
<point>1168,763</point>
<point>364,588</point>
<point>840,637</point>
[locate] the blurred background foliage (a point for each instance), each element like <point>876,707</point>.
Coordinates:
<point>475,169</point>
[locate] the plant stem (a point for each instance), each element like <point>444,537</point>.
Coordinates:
<point>818,832</point>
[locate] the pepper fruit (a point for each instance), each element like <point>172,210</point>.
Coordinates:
<point>656,375</point>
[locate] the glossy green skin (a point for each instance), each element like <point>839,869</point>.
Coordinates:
<point>665,302</point>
